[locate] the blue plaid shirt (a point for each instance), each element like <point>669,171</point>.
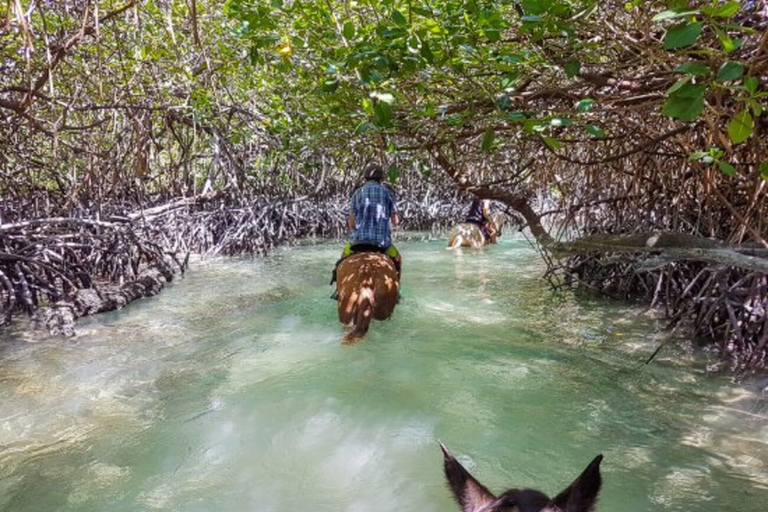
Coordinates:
<point>372,205</point>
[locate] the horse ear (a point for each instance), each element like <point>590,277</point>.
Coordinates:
<point>581,495</point>
<point>470,494</point>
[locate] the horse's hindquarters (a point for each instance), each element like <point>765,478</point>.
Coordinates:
<point>367,286</point>
<point>466,235</point>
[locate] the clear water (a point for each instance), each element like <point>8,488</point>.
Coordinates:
<point>230,392</point>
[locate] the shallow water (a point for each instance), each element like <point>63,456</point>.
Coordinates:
<point>230,392</point>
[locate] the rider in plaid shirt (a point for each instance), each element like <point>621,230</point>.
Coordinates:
<point>371,210</point>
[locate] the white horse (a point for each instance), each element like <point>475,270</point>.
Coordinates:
<point>469,234</point>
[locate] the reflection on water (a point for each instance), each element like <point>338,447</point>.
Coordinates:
<point>230,391</point>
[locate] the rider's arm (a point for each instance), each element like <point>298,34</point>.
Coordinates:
<point>486,209</point>
<point>352,206</point>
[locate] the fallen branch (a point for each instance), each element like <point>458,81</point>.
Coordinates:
<point>672,246</point>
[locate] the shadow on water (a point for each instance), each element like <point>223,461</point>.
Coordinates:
<point>230,392</point>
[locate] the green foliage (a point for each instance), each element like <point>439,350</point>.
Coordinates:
<point>741,126</point>
<point>730,70</point>
<point>552,143</point>
<point>572,68</point>
<point>714,156</point>
<point>585,105</point>
<point>682,35</point>
<point>726,168</point>
<point>333,75</point>
<point>693,68</point>
<point>595,130</point>
<point>685,101</point>
<point>721,10</point>
<point>488,140</point>
<point>331,56</point>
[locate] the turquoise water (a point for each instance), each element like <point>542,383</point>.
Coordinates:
<point>230,391</point>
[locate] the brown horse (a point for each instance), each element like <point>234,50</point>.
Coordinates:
<point>472,496</point>
<point>468,234</point>
<point>367,286</point>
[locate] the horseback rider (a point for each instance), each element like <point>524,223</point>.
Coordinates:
<point>371,210</point>
<point>480,213</point>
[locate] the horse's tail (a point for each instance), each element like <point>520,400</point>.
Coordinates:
<point>362,315</point>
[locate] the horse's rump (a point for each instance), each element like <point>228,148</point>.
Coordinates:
<point>367,286</point>
<point>467,234</point>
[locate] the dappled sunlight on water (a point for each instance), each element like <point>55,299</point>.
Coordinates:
<point>230,391</point>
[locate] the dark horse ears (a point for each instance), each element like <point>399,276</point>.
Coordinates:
<point>472,496</point>
<point>581,495</point>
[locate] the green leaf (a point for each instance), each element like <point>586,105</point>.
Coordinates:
<point>367,106</point>
<point>254,55</point>
<point>594,130</point>
<point>330,85</point>
<point>678,85</point>
<point>398,18</point>
<point>553,144</point>
<point>534,6</point>
<point>764,171</point>
<point>725,10</point>
<point>572,68</point>
<point>492,35</point>
<point>488,138</point>
<point>730,70</point>
<point>383,112</point>
<point>684,109</point>
<point>755,105</point>
<point>741,126</point>
<point>693,68</point>
<point>383,96</point>
<point>585,105</point>
<point>727,168</point>
<point>671,14</point>
<point>364,127</point>
<point>751,84</point>
<point>508,80</point>
<point>682,35</point>
<point>393,173</point>
<point>729,44</point>
<point>533,125</point>
<point>686,102</point>
<point>558,122</point>
<point>426,52</point>
<point>349,30</point>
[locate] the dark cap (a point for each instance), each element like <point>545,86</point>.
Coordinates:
<point>373,172</point>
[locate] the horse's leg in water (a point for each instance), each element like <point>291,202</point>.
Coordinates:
<point>493,232</point>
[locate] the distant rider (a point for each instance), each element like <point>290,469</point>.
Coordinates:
<point>480,213</point>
